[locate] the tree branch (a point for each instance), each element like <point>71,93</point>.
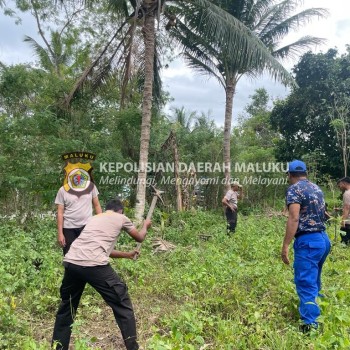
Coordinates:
<point>40,30</point>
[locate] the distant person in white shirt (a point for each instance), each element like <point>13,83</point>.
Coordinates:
<point>73,211</point>
<point>230,201</point>
<point>344,186</point>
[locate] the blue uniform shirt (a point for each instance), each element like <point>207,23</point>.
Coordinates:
<point>312,205</point>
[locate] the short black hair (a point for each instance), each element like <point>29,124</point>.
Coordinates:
<point>344,179</point>
<point>115,205</point>
<point>297,174</point>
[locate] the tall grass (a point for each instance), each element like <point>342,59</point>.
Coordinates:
<point>220,293</point>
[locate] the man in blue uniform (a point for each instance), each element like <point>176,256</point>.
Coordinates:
<point>306,207</point>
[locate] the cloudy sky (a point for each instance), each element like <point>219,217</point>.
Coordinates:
<point>196,92</point>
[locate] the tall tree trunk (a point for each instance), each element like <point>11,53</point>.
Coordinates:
<point>177,177</point>
<point>345,153</point>
<point>345,143</point>
<point>230,91</point>
<point>149,40</point>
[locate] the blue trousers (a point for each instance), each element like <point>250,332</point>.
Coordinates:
<point>310,252</point>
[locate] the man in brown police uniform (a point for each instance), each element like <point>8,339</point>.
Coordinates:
<point>230,201</point>
<point>87,262</point>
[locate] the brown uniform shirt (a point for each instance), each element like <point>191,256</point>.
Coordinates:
<point>97,240</point>
<point>232,198</point>
<point>346,202</point>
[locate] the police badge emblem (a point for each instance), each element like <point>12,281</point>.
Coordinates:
<point>78,176</point>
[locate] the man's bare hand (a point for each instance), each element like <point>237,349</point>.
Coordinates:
<point>61,240</point>
<point>134,254</point>
<point>117,254</point>
<point>284,255</point>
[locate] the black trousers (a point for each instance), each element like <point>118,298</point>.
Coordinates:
<point>231,216</point>
<point>106,282</point>
<point>70,235</point>
<point>345,235</point>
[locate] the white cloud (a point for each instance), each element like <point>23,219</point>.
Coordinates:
<point>343,28</point>
<point>13,49</point>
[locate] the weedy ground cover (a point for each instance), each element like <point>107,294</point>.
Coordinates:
<point>219,293</point>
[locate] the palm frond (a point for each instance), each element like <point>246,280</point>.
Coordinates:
<point>127,64</point>
<point>103,70</point>
<point>253,11</point>
<point>191,42</point>
<point>207,61</point>
<point>197,53</point>
<point>255,8</point>
<point>218,26</point>
<point>272,14</point>
<point>41,53</point>
<point>56,43</point>
<point>202,67</point>
<point>181,117</point>
<point>121,6</point>
<point>278,29</point>
<point>116,6</point>
<point>94,65</point>
<point>101,75</point>
<point>295,49</point>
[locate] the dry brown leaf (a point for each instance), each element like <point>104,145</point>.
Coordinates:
<point>161,245</point>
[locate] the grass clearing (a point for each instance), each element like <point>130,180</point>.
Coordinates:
<point>220,293</point>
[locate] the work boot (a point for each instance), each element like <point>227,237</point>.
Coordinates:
<point>229,230</point>
<point>307,328</point>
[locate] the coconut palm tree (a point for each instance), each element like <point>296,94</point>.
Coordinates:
<point>56,53</point>
<point>182,118</point>
<point>205,20</point>
<point>211,23</point>
<point>270,21</point>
